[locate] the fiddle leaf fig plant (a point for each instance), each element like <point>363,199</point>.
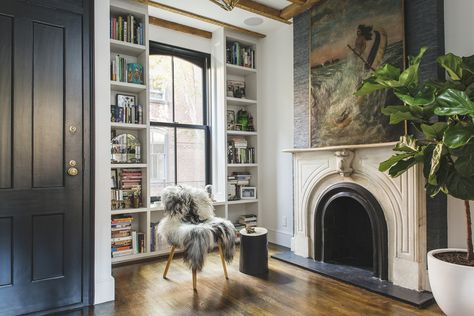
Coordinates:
<point>442,111</point>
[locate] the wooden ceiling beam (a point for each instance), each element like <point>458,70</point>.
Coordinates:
<point>179,27</point>
<point>261,9</point>
<point>205,19</point>
<point>295,9</point>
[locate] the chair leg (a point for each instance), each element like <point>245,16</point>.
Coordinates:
<point>170,258</point>
<point>194,280</point>
<point>221,254</point>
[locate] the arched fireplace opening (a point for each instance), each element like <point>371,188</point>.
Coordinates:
<point>350,229</point>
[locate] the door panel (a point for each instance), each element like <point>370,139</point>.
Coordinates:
<point>6,254</point>
<point>43,217</point>
<point>48,238</point>
<point>6,60</point>
<point>48,105</point>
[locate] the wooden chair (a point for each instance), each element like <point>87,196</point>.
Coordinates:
<point>170,258</point>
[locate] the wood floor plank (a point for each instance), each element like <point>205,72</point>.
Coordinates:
<point>288,290</point>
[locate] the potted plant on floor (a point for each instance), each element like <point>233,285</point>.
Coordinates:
<point>442,114</point>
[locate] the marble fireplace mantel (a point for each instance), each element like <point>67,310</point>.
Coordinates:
<point>402,199</point>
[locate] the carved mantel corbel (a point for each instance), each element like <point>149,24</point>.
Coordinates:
<point>344,159</point>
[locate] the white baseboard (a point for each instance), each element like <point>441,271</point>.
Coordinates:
<point>104,291</point>
<point>279,238</point>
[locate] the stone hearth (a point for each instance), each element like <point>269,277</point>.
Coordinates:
<point>402,201</point>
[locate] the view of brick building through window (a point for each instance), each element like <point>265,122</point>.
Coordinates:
<point>176,96</point>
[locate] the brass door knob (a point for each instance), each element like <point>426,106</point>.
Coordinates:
<point>72,171</point>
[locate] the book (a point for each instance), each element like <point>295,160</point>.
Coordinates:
<point>127,28</point>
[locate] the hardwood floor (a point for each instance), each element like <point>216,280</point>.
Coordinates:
<point>288,290</point>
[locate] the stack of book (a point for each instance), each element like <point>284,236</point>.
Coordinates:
<point>128,193</point>
<point>128,29</point>
<point>130,114</point>
<point>138,242</point>
<point>234,182</point>
<point>249,220</point>
<point>239,152</point>
<point>122,236</point>
<point>118,68</point>
<point>240,56</point>
<point>239,178</point>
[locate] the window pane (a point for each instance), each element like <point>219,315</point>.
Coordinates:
<point>188,86</point>
<point>191,149</point>
<point>161,159</point>
<point>161,88</point>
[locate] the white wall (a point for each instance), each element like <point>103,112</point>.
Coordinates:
<point>459,40</point>
<point>276,130</point>
<point>179,39</point>
<point>103,281</point>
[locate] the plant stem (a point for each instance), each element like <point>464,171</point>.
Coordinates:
<point>469,231</point>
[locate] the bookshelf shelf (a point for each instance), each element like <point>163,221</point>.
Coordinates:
<point>240,101</point>
<point>240,70</point>
<point>126,48</point>
<point>128,165</point>
<point>140,256</point>
<point>127,87</point>
<point>236,202</point>
<point>129,211</point>
<point>241,165</point>
<point>241,133</point>
<point>128,126</point>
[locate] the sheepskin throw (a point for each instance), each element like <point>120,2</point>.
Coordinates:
<point>190,224</point>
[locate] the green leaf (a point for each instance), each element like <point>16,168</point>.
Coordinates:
<point>401,167</point>
<point>408,144</point>
<point>413,60</point>
<point>458,135</point>
<point>454,102</point>
<point>387,164</point>
<point>367,87</point>
<point>428,153</point>
<point>432,190</point>
<point>452,64</point>
<point>434,131</point>
<point>468,64</point>
<point>424,96</point>
<point>465,165</point>
<point>387,73</point>
<point>460,187</point>
<point>399,113</point>
<point>411,74</point>
<point>435,163</point>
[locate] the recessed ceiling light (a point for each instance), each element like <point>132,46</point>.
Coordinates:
<point>253,21</point>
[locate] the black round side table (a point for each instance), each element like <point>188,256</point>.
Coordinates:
<point>254,252</point>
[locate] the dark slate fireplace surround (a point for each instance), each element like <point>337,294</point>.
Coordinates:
<point>339,250</point>
<point>350,229</point>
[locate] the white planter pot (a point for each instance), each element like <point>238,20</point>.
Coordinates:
<point>452,285</point>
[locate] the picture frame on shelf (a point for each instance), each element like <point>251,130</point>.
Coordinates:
<point>237,88</point>
<point>230,120</point>
<point>248,193</point>
<point>126,100</point>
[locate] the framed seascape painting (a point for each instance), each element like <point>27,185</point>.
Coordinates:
<point>349,39</point>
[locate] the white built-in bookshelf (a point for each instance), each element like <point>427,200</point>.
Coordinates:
<point>233,209</point>
<point>146,213</point>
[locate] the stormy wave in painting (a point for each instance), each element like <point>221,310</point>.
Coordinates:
<point>348,40</point>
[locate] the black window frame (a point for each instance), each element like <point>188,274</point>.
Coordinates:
<point>202,60</point>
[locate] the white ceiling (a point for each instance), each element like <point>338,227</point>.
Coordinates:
<point>208,9</point>
<point>277,4</point>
